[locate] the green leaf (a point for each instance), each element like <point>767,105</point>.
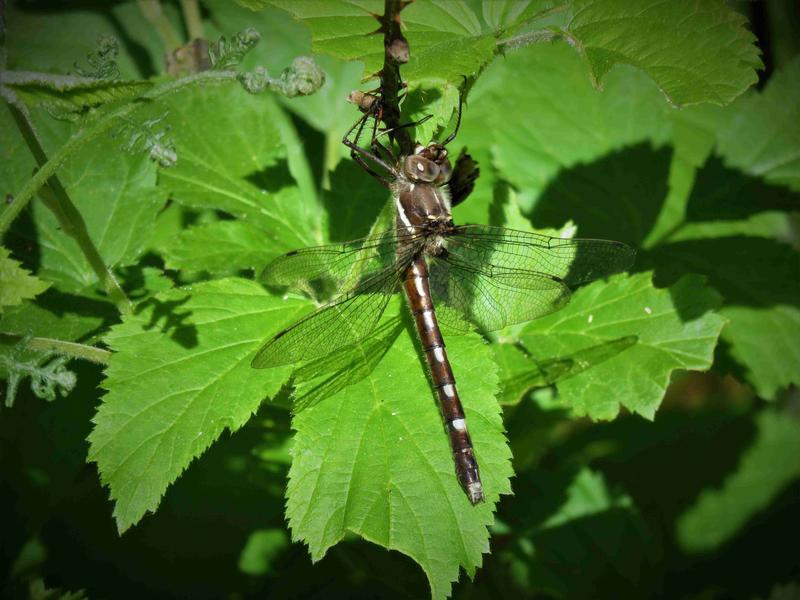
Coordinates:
<point>520,374</point>
<point>16,283</point>
<point>54,315</point>
<point>758,279</point>
<point>221,247</point>
<point>116,196</point>
<point>762,137</point>
<point>69,93</point>
<point>573,537</point>
<point>695,52</point>
<point>55,40</point>
<point>179,376</point>
<point>235,160</point>
<point>446,39</point>
<point>676,329</point>
<point>537,112</point>
<point>765,469</point>
<point>373,459</point>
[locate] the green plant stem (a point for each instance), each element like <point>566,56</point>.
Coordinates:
<point>72,349</point>
<point>57,200</point>
<point>193,20</point>
<point>333,143</point>
<point>154,13</point>
<point>102,124</point>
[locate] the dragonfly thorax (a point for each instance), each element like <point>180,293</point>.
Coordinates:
<point>421,195</point>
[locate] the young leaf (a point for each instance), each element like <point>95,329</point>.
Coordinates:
<point>372,457</point>
<point>16,283</point>
<point>180,375</point>
<point>675,329</point>
<point>766,468</point>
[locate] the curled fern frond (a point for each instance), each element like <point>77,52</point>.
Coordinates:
<point>49,376</point>
<point>304,77</point>
<point>102,60</point>
<point>227,53</point>
<point>147,136</point>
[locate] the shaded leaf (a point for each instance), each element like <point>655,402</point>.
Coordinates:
<point>115,195</point>
<point>54,41</point>
<point>765,469</point>
<point>761,138</point>
<point>220,247</point>
<point>573,537</point>
<point>758,279</point>
<point>676,328</point>
<point>538,113</point>
<point>180,374</point>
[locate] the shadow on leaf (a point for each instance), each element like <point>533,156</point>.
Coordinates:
<point>273,177</point>
<point>724,194</point>
<point>550,371</point>
<point>617,197</point>
<point>353,202</point>
<point>182,332</point>
<point>747,271</point>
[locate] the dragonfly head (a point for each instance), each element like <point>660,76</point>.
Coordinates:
<point>428,164</point>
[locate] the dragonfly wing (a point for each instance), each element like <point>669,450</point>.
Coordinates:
<point>337,269</point>
<point>344,322</point>
<point>573,261</point>
<point>491,296</point>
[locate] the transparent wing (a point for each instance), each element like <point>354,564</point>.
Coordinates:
<point>573,261</point>
<point>492,297</point>
<point>496,277</point>
<point>334,326</point>
<point>338,269</point>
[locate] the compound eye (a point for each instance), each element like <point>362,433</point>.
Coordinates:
<point>445,172</point>
<point>418,168</point>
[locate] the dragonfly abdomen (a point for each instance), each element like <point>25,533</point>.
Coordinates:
<point>417,290</point>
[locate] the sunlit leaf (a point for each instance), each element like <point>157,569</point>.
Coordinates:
<point>372,458</point>
<point>675,329</point>
<point>179,376</point>
<point>16,283</point>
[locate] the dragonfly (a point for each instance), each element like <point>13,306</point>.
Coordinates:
<point>460,275</point>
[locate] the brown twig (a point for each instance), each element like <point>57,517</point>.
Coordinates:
<point>396,54</point>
